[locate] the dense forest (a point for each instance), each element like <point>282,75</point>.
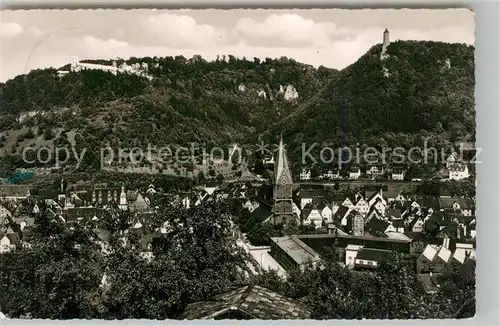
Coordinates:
<point>422,90</point>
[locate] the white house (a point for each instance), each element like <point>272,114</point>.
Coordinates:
<point>327,213</point>
<point>378,196</point>
<point>354,173</point>
<point>417,224</point>
<point>317,214</point>
<point>312,216</point>
<point>458,171</point>
<point>351,251</point>
<point>305,174</point>
<point>347,202</point>
<point>452,159</point>
<point>147,252</point>
<point>398,174</point>
<point>362,206</point>
<point>379,205</point>
<point>8,242</point>
<point>375,171</point>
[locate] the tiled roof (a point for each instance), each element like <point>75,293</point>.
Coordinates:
<point>296,249</point>
<point>460,255</point>
<point>376,227</point>
<point>254,301</point>
<point>341,213</point>
<point>430,252</point>
<point>397,236</point>
<point>444,254</point>
<point>262,212</point>
<point>415,220</point>
<point>372,254</point>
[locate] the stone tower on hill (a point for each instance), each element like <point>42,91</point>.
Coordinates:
<point>385,44</point>
<point>283,203</point>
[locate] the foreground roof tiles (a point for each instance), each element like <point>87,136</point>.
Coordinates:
<point>253,301</point>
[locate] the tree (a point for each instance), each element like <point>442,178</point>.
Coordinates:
<point>261,234</point>
<point>198,261</point>
<point>201,177</point>
<point>220,178</point>
<point>48,134</point>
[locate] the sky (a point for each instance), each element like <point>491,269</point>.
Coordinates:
<point>335,38</point>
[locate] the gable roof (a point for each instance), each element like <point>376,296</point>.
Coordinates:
<point>376,227</point>
<point>372,254</point>
<point>415,219</point>
<point>262,213</point>
<point>254,301</point>
<point>341,213</point>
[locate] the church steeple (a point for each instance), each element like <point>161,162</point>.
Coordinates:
<point>283,204</point>
<point>282,170</point>
<point>123,199</point>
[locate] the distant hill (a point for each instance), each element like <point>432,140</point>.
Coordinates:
<point>422,89</point>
